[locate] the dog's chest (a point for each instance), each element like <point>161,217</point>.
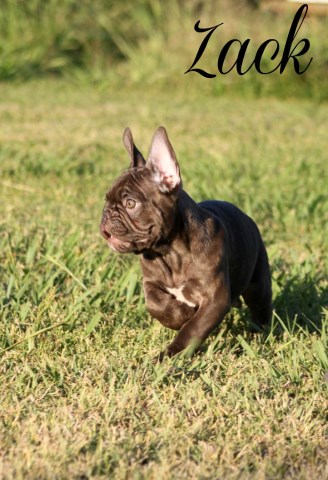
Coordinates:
<point>178,294</point>
<point>178,277</point>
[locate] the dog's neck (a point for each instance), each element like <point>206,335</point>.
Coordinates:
<point>180,231</point>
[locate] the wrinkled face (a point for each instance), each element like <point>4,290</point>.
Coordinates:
<point>137,214</point>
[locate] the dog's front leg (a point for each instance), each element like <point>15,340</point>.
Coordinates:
<point>210,314</point>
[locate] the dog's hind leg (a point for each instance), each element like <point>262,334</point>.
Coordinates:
<point>258,295</point>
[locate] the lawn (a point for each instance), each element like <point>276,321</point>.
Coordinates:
<point>80,395</point>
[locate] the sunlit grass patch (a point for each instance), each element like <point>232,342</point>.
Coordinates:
<point>80,394</point>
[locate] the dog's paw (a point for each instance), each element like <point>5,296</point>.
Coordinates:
<point>159,358</point>
<point>167,353</point>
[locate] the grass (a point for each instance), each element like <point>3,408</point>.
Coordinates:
<point>80,395</point>
<point>156,42</point>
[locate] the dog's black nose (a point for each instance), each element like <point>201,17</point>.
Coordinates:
<point>104,231</point>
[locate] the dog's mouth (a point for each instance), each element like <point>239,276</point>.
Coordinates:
<point>105,234</point>
<point>118,245</point>
<point>113,242</point>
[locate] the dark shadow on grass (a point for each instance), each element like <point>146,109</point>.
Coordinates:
<point>300,303</point>
<point>299,306</point>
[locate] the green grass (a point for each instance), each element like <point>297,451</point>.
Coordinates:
<point>155,41</point>
<point>80,395</point>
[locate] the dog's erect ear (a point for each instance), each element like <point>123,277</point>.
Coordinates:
<point>137,160</point>
<point>163,162</point>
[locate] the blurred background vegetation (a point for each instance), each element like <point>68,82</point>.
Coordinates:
<point>151,41</point>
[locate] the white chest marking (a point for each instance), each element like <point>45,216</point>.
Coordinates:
<point>177,293</point>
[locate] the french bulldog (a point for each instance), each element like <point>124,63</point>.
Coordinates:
<point>197,259</point>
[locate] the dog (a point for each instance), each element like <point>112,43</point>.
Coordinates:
<point>197,259</point>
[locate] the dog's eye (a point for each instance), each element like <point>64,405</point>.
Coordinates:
<point>130,203</point>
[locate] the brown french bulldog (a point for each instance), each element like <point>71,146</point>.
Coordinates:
<point>196,258</point>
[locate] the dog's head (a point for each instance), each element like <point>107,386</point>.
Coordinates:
<point>140,208</point>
